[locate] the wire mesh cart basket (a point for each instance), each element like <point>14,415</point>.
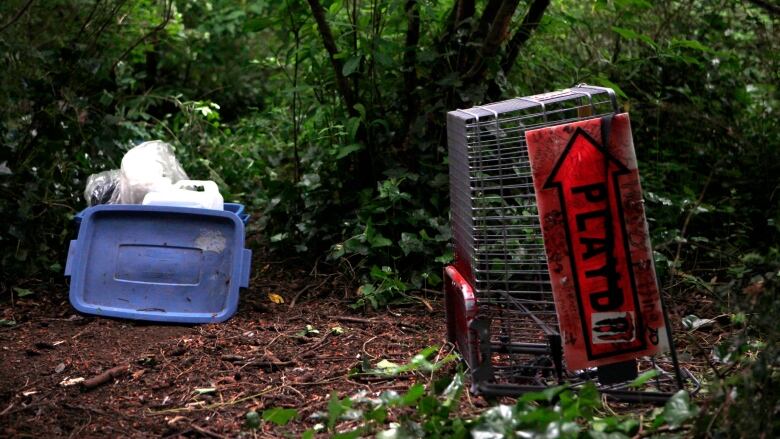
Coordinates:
<point>501,312</point>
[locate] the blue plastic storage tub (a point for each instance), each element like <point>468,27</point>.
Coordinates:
<point>159,263</point>
<point>236,208</point>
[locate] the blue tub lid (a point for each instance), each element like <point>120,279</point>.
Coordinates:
<point>160,263</point>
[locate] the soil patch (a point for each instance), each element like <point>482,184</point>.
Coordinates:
<point>200,381</point>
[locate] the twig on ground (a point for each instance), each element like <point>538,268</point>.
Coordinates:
<point>307,352</point>
<point>7,409</point>
<point>207,432</point>
<point>351,319</point>
<point>305,289</point>
<point>105,377</point>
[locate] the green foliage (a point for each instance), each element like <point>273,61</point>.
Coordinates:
<point>421,362</point>
<point>557,412</point>
<point>249,98</point>
<point>279,416</point>
<point>745,389</point>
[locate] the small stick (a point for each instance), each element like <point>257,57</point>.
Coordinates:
<point>106,376</point>
<point>210,433</point>
<point>305,289</point>
<point>354,319</point>
<point>270,365</point>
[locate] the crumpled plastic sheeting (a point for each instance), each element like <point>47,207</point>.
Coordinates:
<point>102,188</point>
<point>147,167</point>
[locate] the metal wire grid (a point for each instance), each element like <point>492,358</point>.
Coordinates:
<point>499,244</point>
<point>495,220</point>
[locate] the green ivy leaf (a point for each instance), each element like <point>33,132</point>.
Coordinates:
<point>346,150</point>
<point>644,378</point>
<point>679,409</point>
<point>378,241</point>
<point>351,65</point>
<point>691,44</point>
<point>279,416</point>
<point>413,394</point>
<point>22,292</point>
<point>605,82</point>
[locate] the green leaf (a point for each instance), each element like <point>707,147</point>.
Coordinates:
<point>279,416</point>
<point>446,258</point>
<point>625,33</point>
<point>308,434</point>
<point>452,393</point>
<point>378,241</point>
<point>4,322</point>
<point>410,243</point>
<point>336,408</point>
<point>644,378</point>
<point>361,109</point>
<point>22,292</point>
<point>632,35</point>
<point>413,394</point>
<point>352,125</point>
<point>679,409</point>
<point>346,150</point>
<point>279,237</point>
<point>691,44</point>
<point>351,65</point>
<point>386,365</point>
<point>603,81</point>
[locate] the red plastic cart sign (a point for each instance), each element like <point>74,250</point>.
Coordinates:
<point>597,242</point>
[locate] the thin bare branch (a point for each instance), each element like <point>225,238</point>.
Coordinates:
<point>153,31</point>
<point>530,23</point>
<point>498,33</point>
<point>771,8</point>
<point>330,45</point>
<point>17,16</point>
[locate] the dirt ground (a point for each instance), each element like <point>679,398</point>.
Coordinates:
<point>200,381</point>
<point>258,359</point>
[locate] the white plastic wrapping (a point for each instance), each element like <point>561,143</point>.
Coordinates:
<point>150,166</point>
<point>102,188</point>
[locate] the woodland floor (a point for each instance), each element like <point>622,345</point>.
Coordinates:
<point>257,360</point>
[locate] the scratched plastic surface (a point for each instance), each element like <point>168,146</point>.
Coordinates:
<point>158,263</point>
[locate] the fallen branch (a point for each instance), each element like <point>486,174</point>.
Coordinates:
<point>105,377</point>
<point>308,352</point>
<point>268,365</point>
<point>354,319</point>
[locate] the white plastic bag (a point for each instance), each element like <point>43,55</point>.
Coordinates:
<point>150,166</point>
<point>102,188</point>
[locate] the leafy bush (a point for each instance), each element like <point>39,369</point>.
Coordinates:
<point>557,412</point>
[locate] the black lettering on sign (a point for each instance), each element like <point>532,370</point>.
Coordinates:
<point>593,192</point>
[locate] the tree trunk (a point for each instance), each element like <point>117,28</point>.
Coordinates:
<point>330,45</point>
<point>530,23</point>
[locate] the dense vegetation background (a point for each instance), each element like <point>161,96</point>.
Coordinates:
<point>327,119</point>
